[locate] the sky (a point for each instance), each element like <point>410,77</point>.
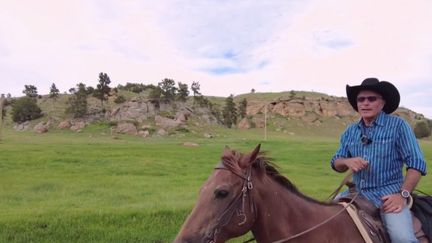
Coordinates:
<point>228,46</point>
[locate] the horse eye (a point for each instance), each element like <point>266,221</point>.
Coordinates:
<point>220,194</point>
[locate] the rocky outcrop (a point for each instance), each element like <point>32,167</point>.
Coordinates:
<point>166,123</point>
<point>142,117</point>
<point>127,128</point>
<point>299,107</point>
<point>133,110</point>
<point>139,110</point>
<point>312,110</point>
<point>41,127</point>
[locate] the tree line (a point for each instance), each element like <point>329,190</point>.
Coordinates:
<point>166,91</point>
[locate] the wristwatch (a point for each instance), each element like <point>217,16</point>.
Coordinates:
<point>405,194</point>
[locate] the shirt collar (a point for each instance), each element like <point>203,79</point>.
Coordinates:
<point>380,120</point>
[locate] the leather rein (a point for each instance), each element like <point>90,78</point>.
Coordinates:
<point>228,213</point>
<point>232,207</point>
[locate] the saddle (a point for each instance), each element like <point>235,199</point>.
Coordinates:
<point>370,219</point>
<point>422,209</point>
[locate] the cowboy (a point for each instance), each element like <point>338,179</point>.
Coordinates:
<point>376,148</point>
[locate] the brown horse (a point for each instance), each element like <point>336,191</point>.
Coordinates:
<point>246,193</point>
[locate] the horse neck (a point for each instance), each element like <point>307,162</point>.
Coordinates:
<point>281,212</point>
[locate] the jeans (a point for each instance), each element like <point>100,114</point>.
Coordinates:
<point>399,226</point>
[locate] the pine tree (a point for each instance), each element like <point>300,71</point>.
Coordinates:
<point>30,91</point>
<point>78,101</point>
<point>183,92</point>
<point>102,89</point>
<point>195,88</point>
<point>54,94</point>
<point>242,108</point>
<point>197,96</point>
<point>168,89</point>
<point>229,112</point>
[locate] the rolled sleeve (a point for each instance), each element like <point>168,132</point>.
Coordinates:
<point>410,149</point>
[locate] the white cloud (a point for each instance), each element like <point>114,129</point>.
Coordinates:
<point>227,46</point>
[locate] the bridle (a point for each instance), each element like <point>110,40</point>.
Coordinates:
<point>228,213</point>
<point>234,206</point>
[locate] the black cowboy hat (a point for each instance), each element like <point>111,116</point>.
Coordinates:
<point>387,90</point>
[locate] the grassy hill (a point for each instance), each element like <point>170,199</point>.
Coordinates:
<point>273,109</point>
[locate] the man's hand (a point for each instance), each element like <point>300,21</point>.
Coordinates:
<point>393,203</point>
<point>356,164</point>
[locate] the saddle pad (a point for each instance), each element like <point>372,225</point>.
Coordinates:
<point>352,211</point>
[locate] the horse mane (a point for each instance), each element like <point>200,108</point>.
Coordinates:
<point>233,161</point>
<point>265,164</point>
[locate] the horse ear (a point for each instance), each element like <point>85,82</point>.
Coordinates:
<point>226,151</point>
<point>254,154</point>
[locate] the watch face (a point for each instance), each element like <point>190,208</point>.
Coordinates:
<point>405,193</point>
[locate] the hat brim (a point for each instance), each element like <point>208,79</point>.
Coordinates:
<point>386,89</point>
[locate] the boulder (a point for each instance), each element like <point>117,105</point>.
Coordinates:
<point>41,127</point>
<point>162,132</point>
<point>77,126</point>
<point>183,115</point>
<point>22,126</point>
<point>166,123</point>
<point>146,127</point>
<point>244,124</point>
<point>64,125</point>
<point>190,144</point>
<point>144,133</point>
<point>126,128</point>
<point>181,118</point>
<point>259,122</point>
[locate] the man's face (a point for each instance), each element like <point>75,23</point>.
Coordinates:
<point>369,104</point>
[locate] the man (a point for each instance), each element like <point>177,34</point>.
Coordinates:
<point>376,149</point>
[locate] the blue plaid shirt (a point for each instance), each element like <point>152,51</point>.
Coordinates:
<point>393,144</point>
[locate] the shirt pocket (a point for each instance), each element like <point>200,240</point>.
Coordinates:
<point>384,147</point>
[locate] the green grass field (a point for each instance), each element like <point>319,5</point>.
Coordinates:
<point>91,187</point>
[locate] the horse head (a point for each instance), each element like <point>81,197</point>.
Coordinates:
<point>225,208</point>
<point>246,192</point>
